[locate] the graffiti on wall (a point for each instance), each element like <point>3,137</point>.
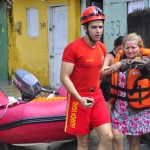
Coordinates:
<point>42,25</point>
<point>113,27</point>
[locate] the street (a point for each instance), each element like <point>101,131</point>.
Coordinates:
<point>68,145</point>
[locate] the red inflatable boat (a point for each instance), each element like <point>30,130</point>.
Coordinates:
<point>39,120</point>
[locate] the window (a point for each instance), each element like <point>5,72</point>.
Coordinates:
<point>32,22</point>
<point>98,3</point>
<point>139,4</point>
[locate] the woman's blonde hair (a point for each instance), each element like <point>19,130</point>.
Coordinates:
<point>132,37</point>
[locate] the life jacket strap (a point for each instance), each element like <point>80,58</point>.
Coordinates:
<point>130,91</point>
<point>130,99</point>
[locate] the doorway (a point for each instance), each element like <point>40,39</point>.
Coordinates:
<point>58,40</point>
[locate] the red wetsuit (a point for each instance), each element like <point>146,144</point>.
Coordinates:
<point>85,76</point>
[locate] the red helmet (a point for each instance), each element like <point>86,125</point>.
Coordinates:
<point>92,13</point>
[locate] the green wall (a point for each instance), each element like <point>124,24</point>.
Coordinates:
<point>3,43</point>
<point>116,21</point>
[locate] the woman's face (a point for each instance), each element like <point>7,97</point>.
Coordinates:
<point>131,49</point>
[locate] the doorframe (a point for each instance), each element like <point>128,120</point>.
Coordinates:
<point>50,42</point>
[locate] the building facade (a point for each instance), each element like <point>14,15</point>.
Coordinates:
<point>117,23</point>
<point>36,32</point>
<point>42,30</point>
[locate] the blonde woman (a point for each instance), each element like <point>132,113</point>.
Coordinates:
<point>130,93</point>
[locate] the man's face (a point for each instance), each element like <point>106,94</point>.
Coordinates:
<point>95,30</point>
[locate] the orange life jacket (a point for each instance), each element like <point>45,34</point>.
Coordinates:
<point>137,85</point>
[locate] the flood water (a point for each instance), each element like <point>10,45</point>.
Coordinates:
<point>10,90</point>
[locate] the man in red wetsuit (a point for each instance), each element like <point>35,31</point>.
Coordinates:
<point>80,73</point>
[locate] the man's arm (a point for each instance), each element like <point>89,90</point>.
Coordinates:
<point>66,70</point>
<point>106,70</point>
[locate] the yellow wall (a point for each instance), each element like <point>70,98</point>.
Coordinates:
<point>32,54</point>
<point>12,51</point>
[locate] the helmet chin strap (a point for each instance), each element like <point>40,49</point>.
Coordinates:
<point>90,36</point>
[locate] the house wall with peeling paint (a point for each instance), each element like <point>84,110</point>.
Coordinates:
<point>32,54</point>
<point>116,12</point>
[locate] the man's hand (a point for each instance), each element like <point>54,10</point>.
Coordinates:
<point>115,67</point>
<point>107,70</point>
<point>86,101</point>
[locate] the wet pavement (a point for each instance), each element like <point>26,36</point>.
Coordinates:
<point>11,90</point>
<point>65,145</point>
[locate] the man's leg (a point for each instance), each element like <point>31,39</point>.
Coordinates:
<point>105,134</point>
<point>83,142</point>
